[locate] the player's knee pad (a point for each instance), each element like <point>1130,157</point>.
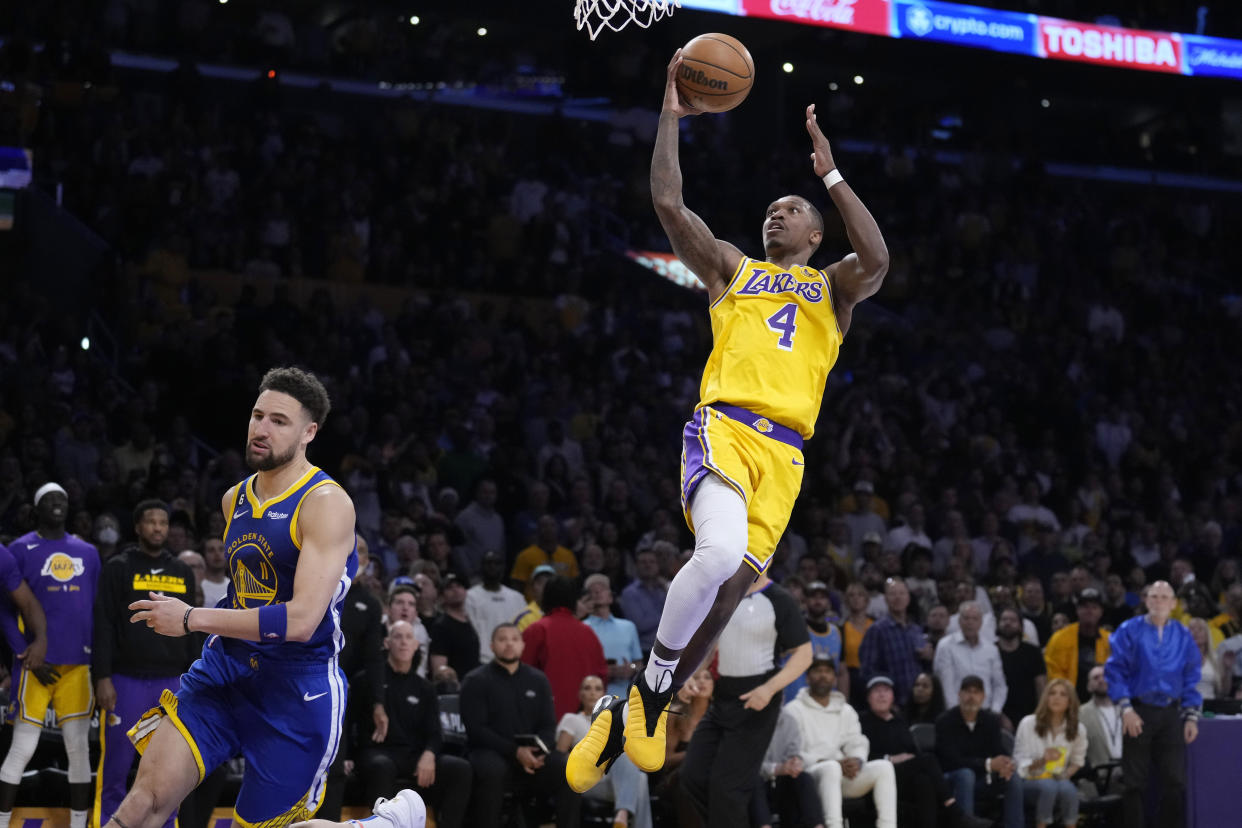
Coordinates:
<point>720,530</point>
<point>77,748</point>
<point>25,740</point>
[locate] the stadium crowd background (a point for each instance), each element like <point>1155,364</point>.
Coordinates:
<point>452,275</point>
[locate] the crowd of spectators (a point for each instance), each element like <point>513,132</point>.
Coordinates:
<point>1032,421</point>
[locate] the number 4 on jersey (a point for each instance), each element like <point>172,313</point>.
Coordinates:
<point>784,322</point>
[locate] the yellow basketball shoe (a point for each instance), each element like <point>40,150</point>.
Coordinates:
<point>591,758</point>
<point>645,725</point>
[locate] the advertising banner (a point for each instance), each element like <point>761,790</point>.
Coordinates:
<point>869,16</point>
<point>967,26</point>
<point>1214,56</point>
<point>1110,46</point>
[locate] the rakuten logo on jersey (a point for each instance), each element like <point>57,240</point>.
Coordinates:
<point>856,15</point>
<point>1153,51</point>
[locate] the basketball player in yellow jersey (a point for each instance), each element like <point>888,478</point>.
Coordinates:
<point>777,325</point>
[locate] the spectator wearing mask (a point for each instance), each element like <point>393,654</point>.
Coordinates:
<point>131,663</point>
<point>501,701</point>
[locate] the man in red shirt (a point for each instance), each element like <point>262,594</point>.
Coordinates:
<point>564,648</point>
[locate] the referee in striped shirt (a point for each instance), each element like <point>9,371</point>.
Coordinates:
<point>722,763</point>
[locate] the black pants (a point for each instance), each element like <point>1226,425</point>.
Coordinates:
<point>494,774</point>
<point>722,762</point>
<point>381,767</point>
<point>797,801</point>
<point>921,791</point>
<point>1162,739</point>
<point>334,791</point>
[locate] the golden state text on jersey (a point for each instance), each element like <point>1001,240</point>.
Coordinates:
<point>262,547</point>
<point>775,337</point>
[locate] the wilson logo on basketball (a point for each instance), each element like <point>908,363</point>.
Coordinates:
<point>703,79</point>
<point>62,567</point>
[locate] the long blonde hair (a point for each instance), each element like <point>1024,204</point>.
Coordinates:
<point>1043,716</point>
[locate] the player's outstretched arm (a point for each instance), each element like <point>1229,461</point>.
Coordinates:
<point>326,522</point>
<point>860,274</point>
<point>711,260</point>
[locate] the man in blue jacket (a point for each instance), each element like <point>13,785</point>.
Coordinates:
<point>1152,673</point>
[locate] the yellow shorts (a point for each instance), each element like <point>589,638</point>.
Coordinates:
<point>761,459</point>
<point>71,696</point>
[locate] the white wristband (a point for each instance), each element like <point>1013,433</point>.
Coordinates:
<point>832,178</point>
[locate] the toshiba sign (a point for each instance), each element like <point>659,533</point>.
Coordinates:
<point>1153,51</point>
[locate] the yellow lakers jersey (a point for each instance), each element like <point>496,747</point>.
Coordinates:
<point>774,339</point>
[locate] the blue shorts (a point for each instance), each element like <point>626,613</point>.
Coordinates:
<point>284,719</point>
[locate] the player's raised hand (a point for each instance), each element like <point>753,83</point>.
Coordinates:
<point>673,101</point>
<point>161,613</point>
<point>821,155</point>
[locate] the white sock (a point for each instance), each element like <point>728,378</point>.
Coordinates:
<point>659,672</point>
<point>77,819</point>
<point>5,816</point>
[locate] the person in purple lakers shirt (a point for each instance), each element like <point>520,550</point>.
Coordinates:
<point>62,571</point>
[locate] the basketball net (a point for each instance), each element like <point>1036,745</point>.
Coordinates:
<point>595,15</point>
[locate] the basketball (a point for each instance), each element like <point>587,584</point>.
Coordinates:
<point>716,72</point>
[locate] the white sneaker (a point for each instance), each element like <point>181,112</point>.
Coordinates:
<point>405,810</point>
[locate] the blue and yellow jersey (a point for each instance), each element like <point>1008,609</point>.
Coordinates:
<point>261,541</point>
<point>775,338</point>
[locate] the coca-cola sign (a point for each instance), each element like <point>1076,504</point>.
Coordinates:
<point>857,15</point>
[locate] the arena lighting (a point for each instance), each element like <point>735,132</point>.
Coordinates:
<point>482,32</point>
<point>832,87</point>
<point>271,73</point>
<point>86,340</point>
<point>1045,103</point>
<point>858,79</point>
<point>414,21</point>
<point>787,67</point>
<point>978,27</point>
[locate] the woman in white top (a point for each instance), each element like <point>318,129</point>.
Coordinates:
<point>624,783</point>
<point>1209,685</point>
<point>1048,756</point>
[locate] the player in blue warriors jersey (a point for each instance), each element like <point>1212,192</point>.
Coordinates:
<point>62,571</point>
<point>267,686</point>
<point>777,326</point>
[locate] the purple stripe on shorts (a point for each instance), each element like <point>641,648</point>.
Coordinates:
<point>763,425</point>
<point>694,455</point>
